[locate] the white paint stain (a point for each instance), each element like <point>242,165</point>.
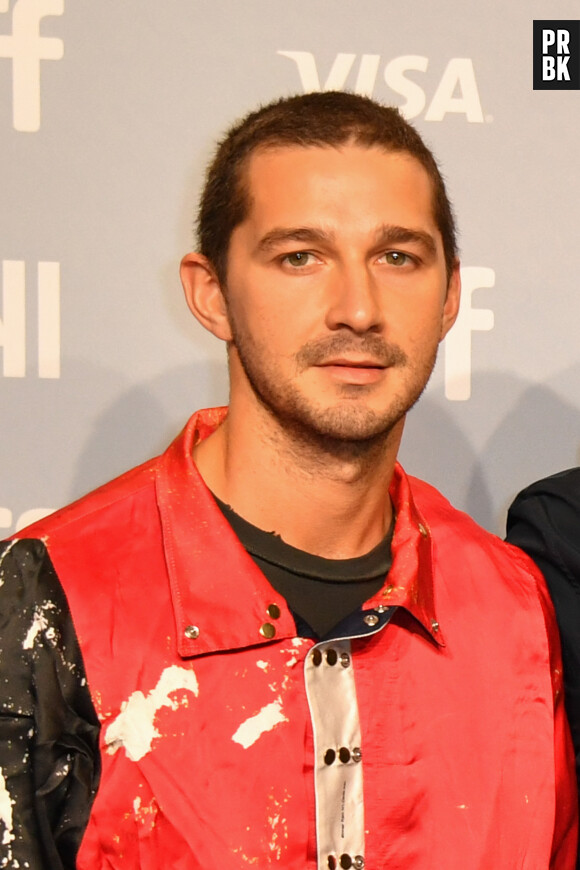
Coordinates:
<point>6,804</point>
<point>296,642</point>
<point>3,556</point>
<point>40,624</point>
<point>263,665</point>
<point>253,728</point>
<point>134,727</point>
<point>279,827</point>
<point>274,845</point>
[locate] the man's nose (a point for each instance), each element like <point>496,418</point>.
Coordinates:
<point>354,300</point>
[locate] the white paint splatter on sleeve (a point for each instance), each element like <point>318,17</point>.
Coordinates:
<point>39,623</point>
<point>134,727</point>
<point>6,804</point>
<point>3,556</point>
<point>253,728</point>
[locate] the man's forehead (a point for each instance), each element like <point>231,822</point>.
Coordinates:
<point>286,174</point>
<point>268,164</point>
<point>271,151</point>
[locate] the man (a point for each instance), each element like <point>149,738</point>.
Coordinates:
<point>298,656</point>
<point>544,520</point>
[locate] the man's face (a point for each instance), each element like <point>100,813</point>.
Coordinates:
<point>337,295</point>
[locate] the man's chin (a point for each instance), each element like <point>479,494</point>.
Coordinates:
<point>349,426</point>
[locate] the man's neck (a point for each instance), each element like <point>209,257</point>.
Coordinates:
<point>328,502</point>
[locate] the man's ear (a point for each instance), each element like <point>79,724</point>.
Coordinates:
<point>204,295</point>
<point>452,300</point>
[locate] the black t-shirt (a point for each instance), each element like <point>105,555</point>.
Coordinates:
<point>320,592</point>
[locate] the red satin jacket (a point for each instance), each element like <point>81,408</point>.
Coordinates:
<point>429,733</point>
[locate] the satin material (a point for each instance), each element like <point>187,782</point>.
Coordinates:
<point>206,736</point>
<point>49,759</point>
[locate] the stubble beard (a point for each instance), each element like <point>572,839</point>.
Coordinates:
<point>348,430</point>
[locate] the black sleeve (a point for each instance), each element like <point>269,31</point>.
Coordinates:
<point>49,758</point>
<point>544,520</point>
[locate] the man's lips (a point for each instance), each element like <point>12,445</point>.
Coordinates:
<point>344,362</point>
<point>353,371</point>
<point>341,351</point>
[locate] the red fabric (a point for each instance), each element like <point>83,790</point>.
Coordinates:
<point>467,759</point>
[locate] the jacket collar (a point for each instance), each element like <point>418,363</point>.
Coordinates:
<point>221,598</point>
<point>409,583</point>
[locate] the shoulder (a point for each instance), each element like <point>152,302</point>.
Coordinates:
<point>554,498</point>
<point>29,586</point>
<point>509,578</point>
<point>448,522</point>
<point>544,520</point>
<point>89,541</point>
<point>36,620</point>
<point>458,540</point>
<point>26,582</point>
<point>24,568</point>
<point>114,498</point>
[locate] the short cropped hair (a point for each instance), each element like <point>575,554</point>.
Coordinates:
<point>331,118</point>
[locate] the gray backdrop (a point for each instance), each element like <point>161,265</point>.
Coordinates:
<point>108,112</point>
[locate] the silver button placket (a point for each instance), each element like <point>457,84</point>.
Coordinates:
<point>338,769</point>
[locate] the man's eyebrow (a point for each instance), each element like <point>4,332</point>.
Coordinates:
<point>385,236</point>
<point>390,234</point>
<point>282,235</point>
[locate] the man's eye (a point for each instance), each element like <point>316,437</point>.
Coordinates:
<point>396,258</point>
<point>298,259</point>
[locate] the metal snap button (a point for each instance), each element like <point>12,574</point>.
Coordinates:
<point>267,630</point>
<point>273,611</point>
<point>356,753</point>
<point>191,632</point>
<point>331,657</point>
<point>371,619</point>
<point>329,756</point>
<point>345,659</point>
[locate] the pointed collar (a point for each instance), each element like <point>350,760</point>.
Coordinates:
<point>221,598</point>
